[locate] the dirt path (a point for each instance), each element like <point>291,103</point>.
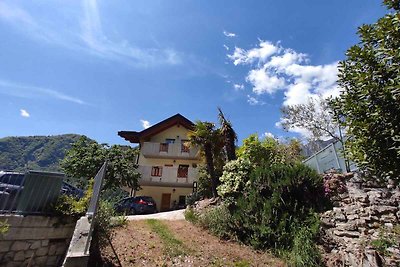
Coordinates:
<point>178,243</point>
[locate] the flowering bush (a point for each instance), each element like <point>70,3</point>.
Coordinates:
<point>334,184</point>
<point>234,178</point>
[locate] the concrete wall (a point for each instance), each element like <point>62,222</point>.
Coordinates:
<point>38,240</point>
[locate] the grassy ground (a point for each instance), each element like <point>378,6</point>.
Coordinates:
<point>178,243</point>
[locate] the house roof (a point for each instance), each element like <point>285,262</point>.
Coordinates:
<point>136,137</point>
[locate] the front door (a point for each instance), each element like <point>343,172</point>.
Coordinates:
<point>165,202</point>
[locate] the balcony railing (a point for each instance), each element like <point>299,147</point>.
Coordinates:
<point>165,150</point>
<point>171,176</point>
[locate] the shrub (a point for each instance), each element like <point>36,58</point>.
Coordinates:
<point>191,216</point>
<point>277,200</point>
<point>103,222</point>
<point>71,206</point>
<point>304,252</point>
<point>234,177</point>
<point>218,221</point>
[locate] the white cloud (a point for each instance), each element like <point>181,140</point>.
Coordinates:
<point>229,34</point>
<point>89,38</point>
<point>263,82</point>
<point>274,68</point>
<point>238,87</point>
<point>259,54</point>
<point>93,36</point>
<point>145,124</point>
<point>254,101</point>
<point>24,113</point>
<point>268,134</point>
<point>29,91</point>
<point>226,47</point>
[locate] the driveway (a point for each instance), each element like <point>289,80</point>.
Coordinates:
<point>168,215</point>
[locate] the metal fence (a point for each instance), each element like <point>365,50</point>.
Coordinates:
<point>330,157</point>
<point>29,193</point>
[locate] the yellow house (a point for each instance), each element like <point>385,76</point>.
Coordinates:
<point>167,164</point>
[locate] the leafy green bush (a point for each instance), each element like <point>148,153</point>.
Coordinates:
<point>103,222</point>
<point>218,221</point>
<point>191,216</point>
<point>304,252</point>
<point>278,199</point>
<point>369,102</point>
<point>71,206</point>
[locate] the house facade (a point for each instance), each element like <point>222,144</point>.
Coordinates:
<point>168,165</point>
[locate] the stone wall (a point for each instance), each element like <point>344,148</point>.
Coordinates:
<point>362,213</point>
<point>35,240</point>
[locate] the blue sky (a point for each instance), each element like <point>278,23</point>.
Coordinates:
<point>97,67</point>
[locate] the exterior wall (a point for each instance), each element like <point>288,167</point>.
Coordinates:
<point>156,192</point>
<point>40,240</point>
<point>169,183</point>
<point>175,132</point>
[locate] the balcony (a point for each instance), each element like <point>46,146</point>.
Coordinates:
<point>171,151</point>
<point>167,176</point>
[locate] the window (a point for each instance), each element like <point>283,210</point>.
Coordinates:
<point>185,146</point>
<point>183,171</point>
<point>170,141</point>
<point>156,171</point>
<point>163,147</point>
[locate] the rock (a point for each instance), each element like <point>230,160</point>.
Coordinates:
<point>20,245</point>
<point>347,233</point>
<point>19,256</point>
<point>36,244</point>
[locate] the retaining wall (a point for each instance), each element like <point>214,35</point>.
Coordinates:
<point>35,240</point>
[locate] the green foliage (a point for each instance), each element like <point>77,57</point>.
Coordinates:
<point>34,152</point>
<point>218,221</point>
<point>316,116</point>
<point>269,151</point>
<point>173,246</point>
<point>103,223</point>
<point>70,206</point>
<point>191,216</point>
<point>387,238</point>
<point>304,252</point>
<point>234,177</point>
<point>278,198</point>
<point>369,103</point>
<point>4,226</point>
<point>86,157</point>
<point>209,140</point>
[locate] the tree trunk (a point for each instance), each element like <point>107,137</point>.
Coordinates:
<point>210,168</point>
<point>230,147</point>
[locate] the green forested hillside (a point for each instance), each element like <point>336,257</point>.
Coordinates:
<point>34,152</point>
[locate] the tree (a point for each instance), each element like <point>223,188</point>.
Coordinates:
<point>316,116</point>
<point>370,100</point>
<point>208,138</point>
<point>86,156</point>
<point>228,135</point>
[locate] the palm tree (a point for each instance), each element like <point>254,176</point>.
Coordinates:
<point>229,136</point>
<point>207,138</point>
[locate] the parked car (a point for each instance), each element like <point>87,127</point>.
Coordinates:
<point>136,205</point>
<point>10,184</point>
